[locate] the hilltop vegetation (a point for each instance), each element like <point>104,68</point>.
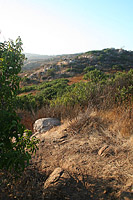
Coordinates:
<point>107,79</point>
<point>107,60</point>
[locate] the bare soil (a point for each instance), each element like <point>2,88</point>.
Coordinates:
<point>99,163</point>
<point>76,79</point>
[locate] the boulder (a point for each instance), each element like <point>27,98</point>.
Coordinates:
<point>45,124</point>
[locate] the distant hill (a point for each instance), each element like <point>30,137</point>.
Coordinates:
<point>31,56</point>
<point>34,61</point>
<point>106,60</point>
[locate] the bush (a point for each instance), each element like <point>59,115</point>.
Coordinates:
<point>15,147</point>
<point>115,90</point>
<point>95,76</point>
<point>45,92</point>
<point>89,68</point>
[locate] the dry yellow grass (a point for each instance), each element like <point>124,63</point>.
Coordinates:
<point>75,147</point>
<point>119,119</point>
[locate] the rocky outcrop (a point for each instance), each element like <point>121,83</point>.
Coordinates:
<point>45,124</point>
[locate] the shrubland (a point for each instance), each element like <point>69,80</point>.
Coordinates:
<point>101,91</point>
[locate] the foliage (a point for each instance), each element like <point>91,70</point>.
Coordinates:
<point>95,76</point>
<point>46,91</point>
<point>57,94</point>
<point>11,61</point>
<point>111,58</point>
<point>116,89</point>
<point>89,68</point>
<point>14,155</point>
<point>117,67</point>
<point>77,94</point>
<point>43,85</point>
<point>124,84</point>
<point>51,72</point>
<point>17,157</point>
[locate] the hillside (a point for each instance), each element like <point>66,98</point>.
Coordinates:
<point>107,60</point>
<point>82,159</point>
<point>41,86</point>
<point>90,154</point>
<point>34,61</point>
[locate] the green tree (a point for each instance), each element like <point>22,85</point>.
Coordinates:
<point>16,143</point>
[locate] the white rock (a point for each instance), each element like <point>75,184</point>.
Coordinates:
<point>45,124</point>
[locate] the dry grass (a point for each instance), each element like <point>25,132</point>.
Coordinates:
<point>75,149</point>
<point>60,112</point>
<point>74,146</point>
<point>119,120</point>
<point>94,146</point>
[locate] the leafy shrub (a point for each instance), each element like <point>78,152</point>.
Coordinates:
<point>46,92</point>
<point>15,148</point>
<point>27,89</point>
<point>43,85</point>
<point>95,76</point>
<point>117,67</point>
<point>103,92</point>
<point>118,88</point>
<point>89,68</point>
<point>124,84</point>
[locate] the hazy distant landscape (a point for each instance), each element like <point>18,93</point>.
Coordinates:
<point>35,60</point>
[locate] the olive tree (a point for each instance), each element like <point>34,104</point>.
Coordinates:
<point>16,143</point>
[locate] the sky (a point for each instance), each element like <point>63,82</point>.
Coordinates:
<point>53,27</point>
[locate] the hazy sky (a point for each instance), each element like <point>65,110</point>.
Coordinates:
<point>67,26</point>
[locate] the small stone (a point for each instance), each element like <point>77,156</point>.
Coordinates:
<point>100,152</point>
<point>56,178</point>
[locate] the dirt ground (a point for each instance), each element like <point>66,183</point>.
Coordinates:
<point>97,161</point>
